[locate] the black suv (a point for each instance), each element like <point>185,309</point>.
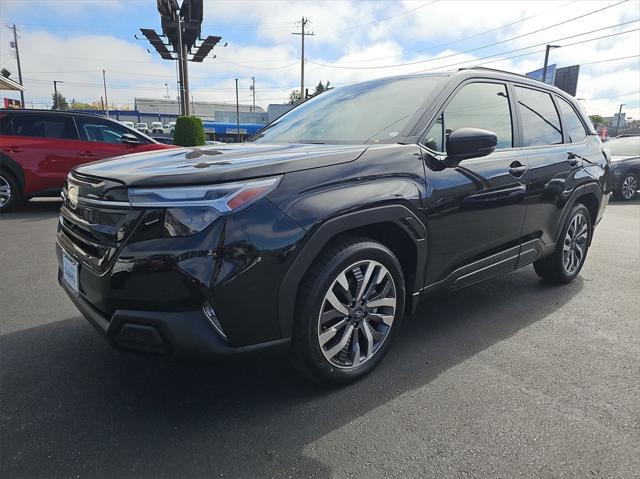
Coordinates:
<point>318,235</point>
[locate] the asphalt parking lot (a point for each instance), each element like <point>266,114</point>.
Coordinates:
<point>508,378</point>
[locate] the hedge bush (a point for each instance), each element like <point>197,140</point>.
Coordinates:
<point>189,131</point>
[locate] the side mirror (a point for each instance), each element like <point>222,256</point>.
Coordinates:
<point>130,139</point>
<point>466,143</point>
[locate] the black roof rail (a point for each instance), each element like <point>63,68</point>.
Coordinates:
<point>494,70</point>
<point>45,110</point>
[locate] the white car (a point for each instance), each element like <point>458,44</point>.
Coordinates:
<point>143,127</point>
<point>156,127</point>
<point>170,127</point>
<point>128,123</point>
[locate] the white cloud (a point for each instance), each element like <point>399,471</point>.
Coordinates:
<point>348,34</point>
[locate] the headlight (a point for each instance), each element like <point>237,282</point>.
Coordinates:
<point>190,209</point>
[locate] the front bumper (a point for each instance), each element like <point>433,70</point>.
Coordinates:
<point>147,293</point>
<point>175,334</point>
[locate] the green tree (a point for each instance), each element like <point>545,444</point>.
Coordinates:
<point>320,87</point>
<point>189,131</point>
<point>597,120</point>
<point>294,96</point>
<point>59,102</point>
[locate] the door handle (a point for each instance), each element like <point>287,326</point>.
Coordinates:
<point>13,149</point>
<point>87,154</point>
<point>573,159</point>
<point>517,169</point>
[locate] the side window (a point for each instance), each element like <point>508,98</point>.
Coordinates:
<point>476,105</point>
<point>97,129</point>
<point>44,126</point>
<point>540,120</point>
<point>573,127</point>
<point>5,124</point>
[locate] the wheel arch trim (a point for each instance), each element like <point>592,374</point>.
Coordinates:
<point>582,190</point>
<point>333,227</point>
<point>12,167</point>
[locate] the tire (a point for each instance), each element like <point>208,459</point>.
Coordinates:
<point>571,249</point>
<point>10,192</point>
<point>365,331</point>
<point>628,188</point>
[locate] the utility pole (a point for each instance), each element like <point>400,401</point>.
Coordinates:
<point>619,115</point>
<point>302,33</point>
<point>546,61</point>
<point>253,92</point>
<point>56,102</point>
<point>106,100</point>
<point>15,45</point>
<point>237,111</point>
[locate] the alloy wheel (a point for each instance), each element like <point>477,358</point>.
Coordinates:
<point>357,314</point>
<point>5,191</point>
<point>629,187</point>
<point>575,244</point>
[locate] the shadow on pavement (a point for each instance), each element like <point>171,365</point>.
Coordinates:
<point>72,406</point>
<point>35,210</point>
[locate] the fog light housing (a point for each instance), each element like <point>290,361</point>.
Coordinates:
<point>208,311</point>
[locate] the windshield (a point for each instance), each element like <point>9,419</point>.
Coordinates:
<point>372,112</point>
<point>629,146</point>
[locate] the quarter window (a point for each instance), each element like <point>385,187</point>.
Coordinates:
<point>477,105</point>
<point>44,126</point>
<point>573,127</point>
<point>540,120</point>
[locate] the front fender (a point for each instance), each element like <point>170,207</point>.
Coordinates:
<point>321,235</point>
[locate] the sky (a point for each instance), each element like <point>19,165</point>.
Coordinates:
<point>72,41</point>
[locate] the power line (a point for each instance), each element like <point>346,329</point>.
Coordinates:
<point>526,48</point>
<point>433,47</point>
<point>564,22</point>
<point>405,12</point>
<point>637,92</point>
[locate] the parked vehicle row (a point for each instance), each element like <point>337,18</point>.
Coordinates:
<point>38,148</point>
<point>156,127</point>
<point>319,236</point>
<point>625,166</point>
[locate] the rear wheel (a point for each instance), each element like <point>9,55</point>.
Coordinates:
<point>10,192</point>
<point>628,188</point>
<point>571,249</point>
<point>349,307</point>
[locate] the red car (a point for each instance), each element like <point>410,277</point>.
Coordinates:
<point>39,147</point>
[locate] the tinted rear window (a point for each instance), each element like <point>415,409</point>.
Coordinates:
<point>44,126</point>
<point>540,120</point>
<point>5,124</point>
<point>573,127</point>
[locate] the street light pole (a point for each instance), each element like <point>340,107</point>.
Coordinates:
<point>183,98</point>
<point>546,61</point>
<point>619,115</point>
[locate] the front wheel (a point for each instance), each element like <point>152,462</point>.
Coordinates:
<point>10,192</point>
<point>349,308</point>
<point>571,249</point>
<point>628,188</point>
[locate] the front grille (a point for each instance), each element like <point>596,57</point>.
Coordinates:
<point>95,230</point>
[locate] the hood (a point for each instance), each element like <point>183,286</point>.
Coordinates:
<point>213,164</point>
